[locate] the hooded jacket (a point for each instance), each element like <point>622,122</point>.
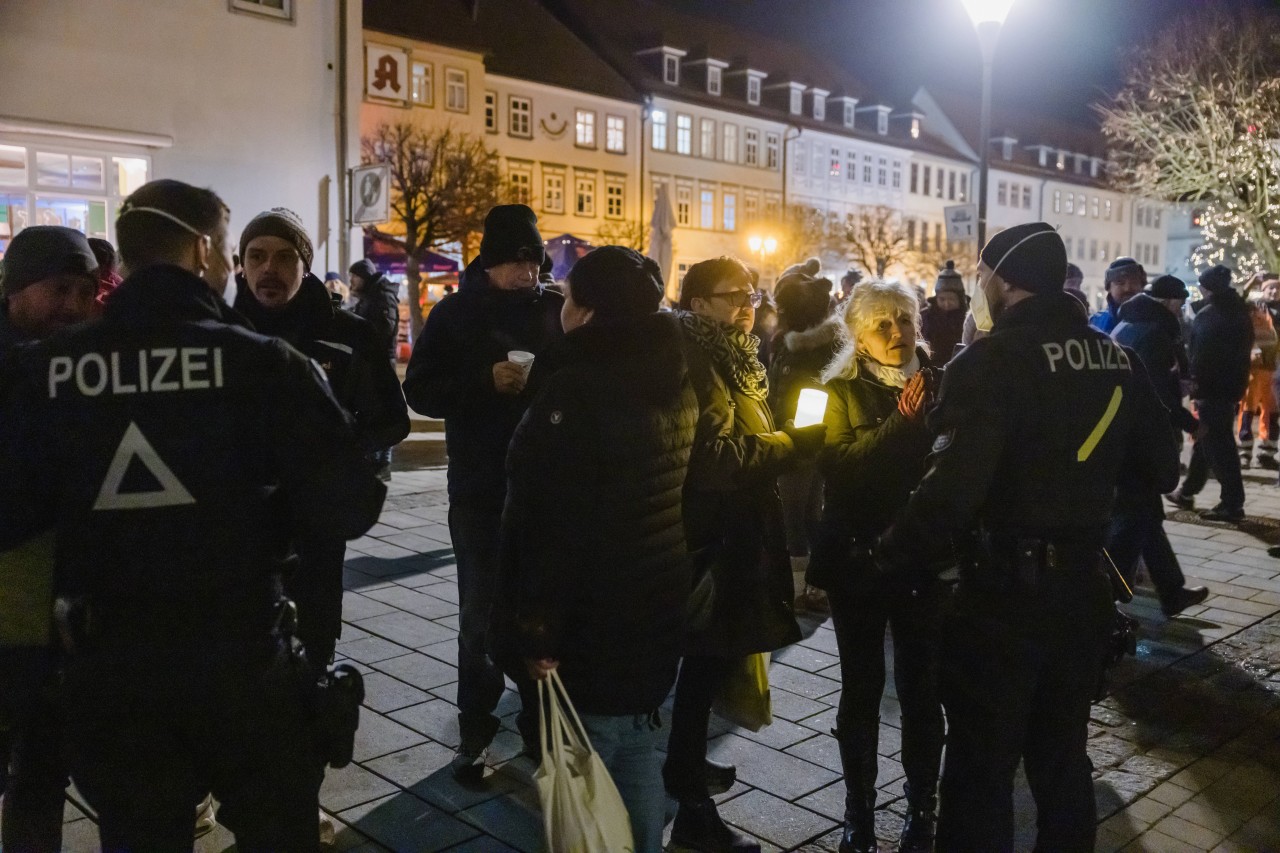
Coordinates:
<point>1221,347</point>
<point>1154,333</point>
<point>379,304</point>
<point>450,376</point>
<point>350,351</point>
<point>595,570</point>
<point>798,360</point>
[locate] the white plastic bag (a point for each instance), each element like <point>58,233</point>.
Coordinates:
<point>582,811</point>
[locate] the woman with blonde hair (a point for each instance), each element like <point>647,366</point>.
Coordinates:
<point>880,385</point>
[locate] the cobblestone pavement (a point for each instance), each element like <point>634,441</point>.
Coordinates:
<point>1186,749</point>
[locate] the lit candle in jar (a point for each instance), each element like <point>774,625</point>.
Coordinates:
<point>811,408</point>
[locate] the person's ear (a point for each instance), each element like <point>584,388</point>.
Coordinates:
<point>204,249</point>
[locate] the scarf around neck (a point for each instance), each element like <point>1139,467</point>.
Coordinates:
<point>894,377</point>
<point>732,350</point>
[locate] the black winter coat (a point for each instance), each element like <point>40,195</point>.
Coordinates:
<point>873,458</point>
<point>942,329</point>
<point>1221,346</point>
<point>733,516</point>
<point>349,350</point>
<point>178,475</point>
<point>798,360</point>
<point>595,568</point>
<point>450,376</point>
<point>1154,333</point>
<point>379,304</point>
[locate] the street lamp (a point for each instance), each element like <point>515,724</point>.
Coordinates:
<point>762,246</point>
<point>987,16</point>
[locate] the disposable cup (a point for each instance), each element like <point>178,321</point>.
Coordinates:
<point>522,358</point>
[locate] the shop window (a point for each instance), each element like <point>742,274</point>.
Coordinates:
<point>53,170</point>
<point>87,215</point>
<point>130,173</point>
<point>87,173</point>
<point>13,165</point>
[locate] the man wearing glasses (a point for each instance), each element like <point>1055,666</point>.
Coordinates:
<point>733,522</point>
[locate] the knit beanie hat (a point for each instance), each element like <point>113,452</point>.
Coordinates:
<point>1215,279</point>
<point>949,279</point>
<point>1168,287</point>
<point>803,299</point>
<point>43,251</point>
<point>1030,257</point>
<point>511,234</point>
<point>616,283</point>
<point>1074,273</point>
<point>283,223</point>
<point>365,269</point>
<point>1120,268</point>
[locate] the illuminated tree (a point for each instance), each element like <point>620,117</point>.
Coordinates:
<point>1198,120</point>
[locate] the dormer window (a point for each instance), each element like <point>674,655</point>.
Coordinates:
<point>1095,165</point>
<point>1044,156</point>
<point>1006,148</point>
<point>671,70</point>
<point>915,128</point>
<point>796,98</point>
<point>753,91</point>
<point>1062,161</point>
<point>848,112</point>
<point>713,80</point>
<point>819,106</point>
<point>882,122</point>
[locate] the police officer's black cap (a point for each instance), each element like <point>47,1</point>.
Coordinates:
<point>1030,257</point>
<point>45,251</point>
<point>1168,287</point>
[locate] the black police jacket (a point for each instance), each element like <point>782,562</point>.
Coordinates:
<point>352,353</point>
<point>450,376</point>
<point>1036,424</point>
<point>176,454</point>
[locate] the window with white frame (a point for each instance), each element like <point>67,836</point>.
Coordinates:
<point>771,147</point>
<point>1081,207</point>
<point>1155,255</point>
<point>615,134</point>
<point>707,138</point>
<point>1093,250</point>
<point>1057,201</point>
<point>584,193</point>
<point>521,184</point>
<point>1106,210</point>
<point>659,120</point>
<point>772,205</point>
<point>1080,247</point>
<point>819,106</point>
<point>951,185</point>
<point>491,111</point>
<point>1104,250</point>
<point>833,169</point>
<point>520,116</point>
<point>684,204</point>
<point>1026,196</point>
<point>729,211</point>
<point>851,165</point>
<point>713,80</point>
<point>964,186</point>
<point>911,235</point>
<point>1002,193</point>
<point>866,168</point>
<point>614,199</point>
<point>421,88</point>
<point>849,115</point>
<point>1156,224</point>
<point>1067,242</point>
<point>753,90</point>
<point>1095,207</point>
<point>799,156</point>
<point>730,133</point>
<point>796,98</point>
<point>751,146</point>
<point>455,90</point>
<point>882,172</point>
<point>819,161</point>
<point>684,133</point>
<point>707,208</point>
<point>584,125</point>
<point>1070,204</point>
<point>927,171</point>
<point>939,187</point>
<point>914,187</point>
<point>671,70</point>
<point>924,236</point>
<point>750,206</point>
<point>552,191</point>
<point>282,9</point>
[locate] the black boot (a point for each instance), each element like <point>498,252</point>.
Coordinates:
<point>922,818</point>
<point>858,759</point>
<point>699,829</point>
<point>477,733</point>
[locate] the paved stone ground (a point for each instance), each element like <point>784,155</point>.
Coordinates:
<point>1186,750</point>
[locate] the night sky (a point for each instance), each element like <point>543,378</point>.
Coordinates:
<point>1059,55</point>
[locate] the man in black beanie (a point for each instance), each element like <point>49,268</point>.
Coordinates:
<point>1124,279</point>
<point>1035,424</point>
<point>461,371</point>
<point>50,276</point>
<point>1220,351</point>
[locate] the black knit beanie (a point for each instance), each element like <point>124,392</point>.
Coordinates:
<point>43,251</point>
<point>949,279</point>
<point>283,223</point>
<point>1120,268</point>
<point>365,269</point>
<point>1216,279</point>
<point>511,234</point>
<point>1030,257</point>
<point>616,283</point>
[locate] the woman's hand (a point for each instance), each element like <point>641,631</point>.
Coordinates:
<point>540,668</point>
<point>914,396</point>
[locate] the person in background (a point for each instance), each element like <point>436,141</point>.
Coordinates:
<point>1123,279</point>
<point>808,336</point>
<point>1074,285</point>
<point>877,443</point>
<point>1149,326</point>
<point>377,300</point>
<point>108,269</point>
<point>942,320</point>
<point>1220,355</point>
<point>847,282</point>
<point>1258,399</point>
<point>733,518</point>
<point>338,290</point>
<point>595,575</point>
<point>765,328</point>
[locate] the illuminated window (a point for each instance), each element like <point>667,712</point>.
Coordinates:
<point>659,119</point>
<point>520,116</point>
<point>455,88</point>
<point>421,88</point>
<point>585,128</point>
<point>615,134</point>
<point>684,134</point>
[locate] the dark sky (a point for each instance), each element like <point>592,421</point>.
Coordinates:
<point>1059,54</point>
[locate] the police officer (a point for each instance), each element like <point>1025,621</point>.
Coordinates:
<point>176,455</point>
<point>1034,424</point>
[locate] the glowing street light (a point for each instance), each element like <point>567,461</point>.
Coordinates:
<point>987,16</point>
<point>762,245</point>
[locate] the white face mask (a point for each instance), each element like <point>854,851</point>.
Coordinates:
<point>981,311</point>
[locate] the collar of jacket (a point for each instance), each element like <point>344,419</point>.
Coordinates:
<point>815,337</point>
<point>9,336</point>
<point>475,280</point>
<point>1145,308</point>
<point>871,376</point>
<point>171,292</point>
<point>1043,309</point>
<point>310,306</point>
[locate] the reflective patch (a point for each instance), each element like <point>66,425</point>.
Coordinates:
<point>556,417</point>
<point>943,441</point>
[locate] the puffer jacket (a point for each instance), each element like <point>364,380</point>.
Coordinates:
<point>798,360</point>
<point>942,329</point>
<point>1221,348</point>
<point>378,303</point>
<point>450,376</point>
<point>595,569</point>
<point>873,458</point>
<point>1155,335</point>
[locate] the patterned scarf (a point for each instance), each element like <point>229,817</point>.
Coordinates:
<point>732,350</point>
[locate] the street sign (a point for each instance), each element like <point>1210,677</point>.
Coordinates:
<point>370,194</point>
<point>962,221</point>
<point>386,74</point>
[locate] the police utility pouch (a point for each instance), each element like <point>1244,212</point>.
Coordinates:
<point>336,702</point>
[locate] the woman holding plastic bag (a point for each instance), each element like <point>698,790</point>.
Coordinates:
<point>879,386</point>
<point>596,575</point>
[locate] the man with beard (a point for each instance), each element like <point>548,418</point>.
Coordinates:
<point>1035,424</point>
<point>1124,279</point>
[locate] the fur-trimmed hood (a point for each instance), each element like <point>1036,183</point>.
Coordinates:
<point>823,335</point>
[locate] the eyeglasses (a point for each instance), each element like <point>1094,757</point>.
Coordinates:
<point>740,298</point>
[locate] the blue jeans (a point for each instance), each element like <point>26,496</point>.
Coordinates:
<point>628,746</point>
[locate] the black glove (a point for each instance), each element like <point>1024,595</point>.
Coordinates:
<point>808,440</point>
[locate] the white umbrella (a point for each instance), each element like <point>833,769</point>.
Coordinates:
<point>661,227</point>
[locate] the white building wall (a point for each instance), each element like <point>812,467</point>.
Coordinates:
<point>235,101</point>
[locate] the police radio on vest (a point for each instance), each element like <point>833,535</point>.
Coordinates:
<point>150,371</point>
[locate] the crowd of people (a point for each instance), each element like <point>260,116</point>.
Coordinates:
<point>631,505</point>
